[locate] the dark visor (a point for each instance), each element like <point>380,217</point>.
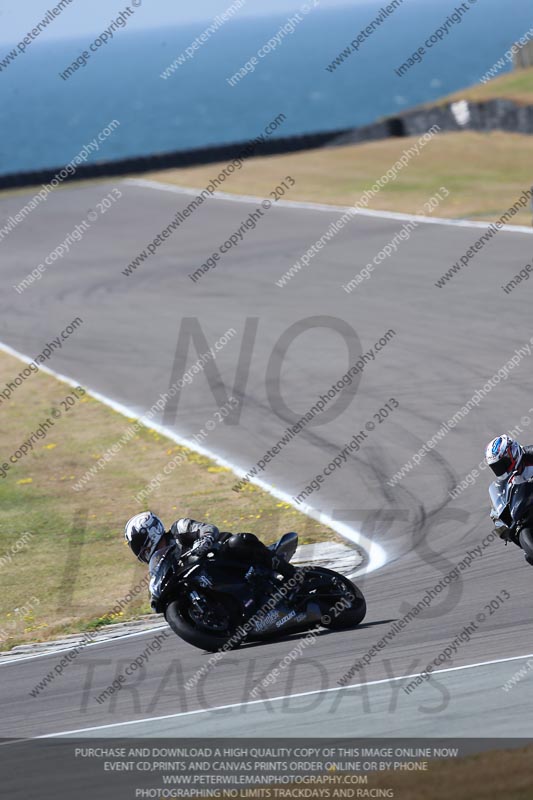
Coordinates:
<point>141,549</point>
<point>501,467</point>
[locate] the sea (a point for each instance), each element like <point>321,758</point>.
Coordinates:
<point>45,121</point>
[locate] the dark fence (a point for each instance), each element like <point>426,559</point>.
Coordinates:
<point>492,115</point>
<point>180,158</point>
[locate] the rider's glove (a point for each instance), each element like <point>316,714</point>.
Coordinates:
<point>200,547</point>
<point>503,531</point>
<point>157,606</point>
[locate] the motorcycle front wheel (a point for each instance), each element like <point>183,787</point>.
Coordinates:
<point>217,630</point>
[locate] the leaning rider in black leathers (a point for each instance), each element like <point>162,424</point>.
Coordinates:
<point>145,534</point>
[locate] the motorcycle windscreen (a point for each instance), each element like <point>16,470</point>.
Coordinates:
<point>498,497</point>
<point>522,501</point>
<point>160,565</point>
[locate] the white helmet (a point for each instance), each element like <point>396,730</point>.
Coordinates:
<point>143,533</point>
<point>503,455</point>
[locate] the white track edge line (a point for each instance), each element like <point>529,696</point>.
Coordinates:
<point>298,204</point>
<point>283,697</point>
<point>5,661</point>
<point>376,554</point>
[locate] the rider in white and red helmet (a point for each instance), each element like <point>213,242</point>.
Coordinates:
<point>511,463</point>
<point>504,456</point>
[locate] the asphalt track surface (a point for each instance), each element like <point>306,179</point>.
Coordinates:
<point>447,343</point>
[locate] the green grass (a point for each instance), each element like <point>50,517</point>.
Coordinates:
<point>485,174</point>
<point>76,565</point>
<point>516,85</point>
<point>493,775</point>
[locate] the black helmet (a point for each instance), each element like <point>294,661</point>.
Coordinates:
<point>143,532</point>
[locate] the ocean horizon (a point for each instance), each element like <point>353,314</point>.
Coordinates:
<point>46,119</point>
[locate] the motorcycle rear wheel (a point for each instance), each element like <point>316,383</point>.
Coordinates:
<point>340,588</point>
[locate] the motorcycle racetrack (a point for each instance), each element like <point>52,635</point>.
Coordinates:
<point>424,351</point>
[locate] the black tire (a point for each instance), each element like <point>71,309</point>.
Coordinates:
<point>342,586</point>
<point>185,628</point>
<point>526,543</point>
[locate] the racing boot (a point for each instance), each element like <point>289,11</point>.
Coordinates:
<point>260,581</point>
<point>287,571</point>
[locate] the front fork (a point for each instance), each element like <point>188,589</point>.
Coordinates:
<point>197,601</point>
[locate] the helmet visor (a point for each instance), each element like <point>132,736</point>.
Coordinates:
<point>140,547</point>
<point>144,553</point>
<point>502,466</point>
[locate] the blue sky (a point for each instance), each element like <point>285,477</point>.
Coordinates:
<point>83,17</point>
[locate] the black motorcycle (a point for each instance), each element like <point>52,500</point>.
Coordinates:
<point>218,602</point>
<point>513,509</point>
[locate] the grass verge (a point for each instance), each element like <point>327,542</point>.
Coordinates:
<point>486,776</point>
<point>492,775</point>
<point>484,173</point>
<point>516,85</point>
<point>71,566</point>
